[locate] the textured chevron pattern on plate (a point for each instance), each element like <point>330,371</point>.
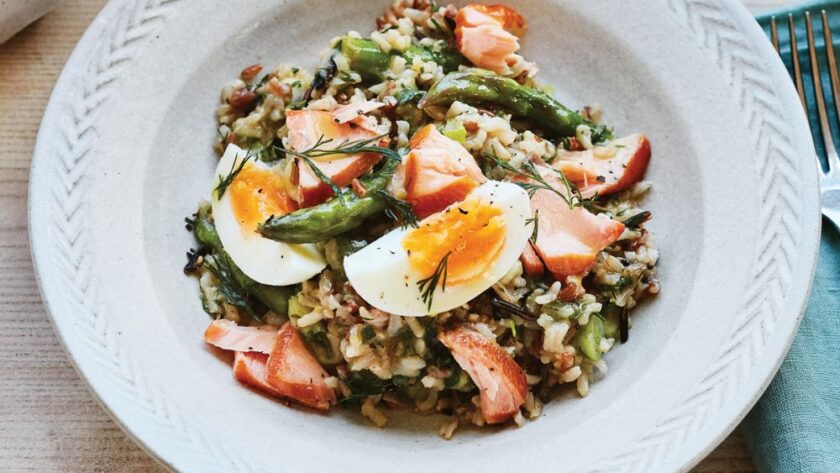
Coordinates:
<point>752,325</point>
<point>121,40</point>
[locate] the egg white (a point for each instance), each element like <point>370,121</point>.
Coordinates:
<point>381,274</point>
<point>263,260</point>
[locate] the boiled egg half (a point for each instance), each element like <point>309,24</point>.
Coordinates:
<point>471,244</point>
<point>257,192</point>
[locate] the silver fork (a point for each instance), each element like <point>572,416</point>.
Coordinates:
<point>829,180</point>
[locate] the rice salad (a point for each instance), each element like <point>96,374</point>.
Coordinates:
<point>419,225</point>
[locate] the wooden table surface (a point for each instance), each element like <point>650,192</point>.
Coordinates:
<point>48,420</point>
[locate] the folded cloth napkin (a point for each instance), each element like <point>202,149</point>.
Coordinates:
<point>795,427</point>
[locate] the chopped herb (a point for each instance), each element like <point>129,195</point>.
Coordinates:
<point>368,333</point>
<point>257,85</point>
<point>399,210</point>
<point>295,84</point>
<point>453,379</point>
<point>365,383</point>
<point>235,169</point>
<point>428,286</point>
<point>232,292</point>
<point>512,327</point>
<point>322,77</point>
<point>536,221</point>
<point>405,96</point>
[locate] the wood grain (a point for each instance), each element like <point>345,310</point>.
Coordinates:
<point>49,422</point>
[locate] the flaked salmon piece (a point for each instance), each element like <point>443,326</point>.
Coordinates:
<point>225,334</point>
<point>305,129</point>
<point>487,35</point>
<point>606,169</point>
<point>295,373</point>
<point>531,262</point>
<point>569,239</point>
<point>438,171</point>
<point>476,14</point>
<point>489,47</point>
<point>251,368</point>
<point>501,381</point>
<point>351,111</point>
<point>341,171</point>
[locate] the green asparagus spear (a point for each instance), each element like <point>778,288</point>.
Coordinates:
<point>275,298</point>
<point>333,217</point>
<point>479,86</point>
<point>204,230</point>
<point>365,57</point>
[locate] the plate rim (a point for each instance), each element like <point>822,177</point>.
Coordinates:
<point>38,192</point>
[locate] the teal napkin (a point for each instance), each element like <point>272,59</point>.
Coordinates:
<point>795,427</point>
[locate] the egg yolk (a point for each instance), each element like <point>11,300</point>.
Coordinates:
<point>472,233</point>
<point>256,194</point>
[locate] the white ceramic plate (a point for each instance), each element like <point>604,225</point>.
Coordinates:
<point>124,153</point>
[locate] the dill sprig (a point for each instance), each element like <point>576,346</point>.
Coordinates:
<point>235,169</point>
<point>571,196</point>
<point>428,286</point>
<point>319,149</point>
<point>232,291</point>
<point>536,221</point>
<point>398,210</point>
<point>323,177</point>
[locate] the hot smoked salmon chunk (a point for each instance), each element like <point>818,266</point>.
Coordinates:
<point>306,127</point>
<point>487,35</point>
<point>501,382</point>
<point>531,262</point>
<point>225,334</point>
<point>606,169</point>
<point>569,239</point>
<point>250,368</point>
<point>438,171</point>
<point>296,374</point>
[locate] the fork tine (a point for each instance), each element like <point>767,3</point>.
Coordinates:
<point>830,152</point>
<point>797,67</point>
<point>774,33</point>
<point>833,164</point>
